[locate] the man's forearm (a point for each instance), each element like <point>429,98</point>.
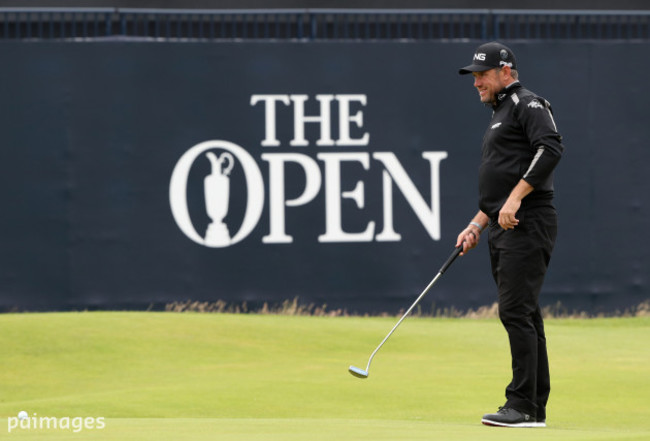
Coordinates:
<point>521,190</point>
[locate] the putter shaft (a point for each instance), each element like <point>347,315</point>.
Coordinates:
<point>408,311</point>
<point>444,267</point>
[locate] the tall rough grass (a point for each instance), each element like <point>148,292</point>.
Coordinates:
<point>295,307</point>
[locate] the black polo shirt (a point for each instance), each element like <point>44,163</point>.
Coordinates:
<point>521,142</point>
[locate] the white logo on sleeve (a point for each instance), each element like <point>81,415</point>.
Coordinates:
<point>534,104</point>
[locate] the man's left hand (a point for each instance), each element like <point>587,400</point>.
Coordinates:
<point>507,218</point>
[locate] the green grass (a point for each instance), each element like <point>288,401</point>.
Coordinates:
<point>159,376</point>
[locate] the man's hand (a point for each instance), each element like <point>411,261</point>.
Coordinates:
<point>507,218</point>
<point>469,238</point>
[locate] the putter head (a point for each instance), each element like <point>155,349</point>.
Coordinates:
<point>359,373</point>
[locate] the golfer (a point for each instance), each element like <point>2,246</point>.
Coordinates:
<point>521,147</point>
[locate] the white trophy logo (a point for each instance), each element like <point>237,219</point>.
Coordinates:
<point>217,196</point>
<point>216,188</point>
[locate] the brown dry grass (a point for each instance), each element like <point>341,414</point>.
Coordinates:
<point>295,307</point>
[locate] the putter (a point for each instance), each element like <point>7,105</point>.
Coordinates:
<point>360,373</point>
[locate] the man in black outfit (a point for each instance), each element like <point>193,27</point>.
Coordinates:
<point>521,147</point>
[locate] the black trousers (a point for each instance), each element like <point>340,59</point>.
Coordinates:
<point>519,261</point>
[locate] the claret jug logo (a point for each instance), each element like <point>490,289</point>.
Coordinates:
<point>231,176</point>
<point>217,192</point>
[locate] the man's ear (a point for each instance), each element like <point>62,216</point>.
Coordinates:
<point>506,72</point>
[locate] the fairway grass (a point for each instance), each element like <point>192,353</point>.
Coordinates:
<point>160,376</point>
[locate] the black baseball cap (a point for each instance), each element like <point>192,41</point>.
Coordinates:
<point>488,56</point>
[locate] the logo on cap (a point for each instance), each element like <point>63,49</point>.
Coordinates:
<point>488,56</point>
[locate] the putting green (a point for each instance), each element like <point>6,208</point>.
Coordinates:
<point>260,377</point>
<point>289,429</point>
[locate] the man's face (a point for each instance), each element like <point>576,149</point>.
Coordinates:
<point>488,84</point>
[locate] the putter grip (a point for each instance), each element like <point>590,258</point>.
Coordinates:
<point>451,259</point>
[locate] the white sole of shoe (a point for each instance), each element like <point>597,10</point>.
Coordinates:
<point>520,425</point>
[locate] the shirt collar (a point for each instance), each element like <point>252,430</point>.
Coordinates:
<point>506,92</point>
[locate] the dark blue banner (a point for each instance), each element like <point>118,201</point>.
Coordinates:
<point>136,174</point>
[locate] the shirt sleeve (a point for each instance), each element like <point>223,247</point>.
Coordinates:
<point>536,118</point>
